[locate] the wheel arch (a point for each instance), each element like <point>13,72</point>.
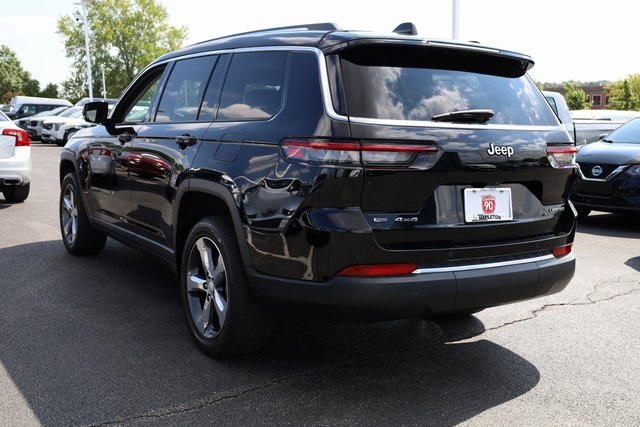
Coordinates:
<point>67,165</point>
<point>200,198</point>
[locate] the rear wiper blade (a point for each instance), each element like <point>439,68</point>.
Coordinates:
<point>465,116</point>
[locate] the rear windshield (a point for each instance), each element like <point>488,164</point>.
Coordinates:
<point>377,85</point>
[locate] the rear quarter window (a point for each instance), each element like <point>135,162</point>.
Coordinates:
<point>254,86</point>
<point>418,86</point>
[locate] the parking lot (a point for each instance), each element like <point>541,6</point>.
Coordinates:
<point>102,340</point>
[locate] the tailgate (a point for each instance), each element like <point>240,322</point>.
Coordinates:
<point>508,196</point>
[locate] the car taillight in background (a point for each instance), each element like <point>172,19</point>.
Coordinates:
<point>562,156</point>
<point>22,138</point>
<point>361,153</point>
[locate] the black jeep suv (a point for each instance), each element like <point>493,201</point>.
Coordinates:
<point>327,173</point>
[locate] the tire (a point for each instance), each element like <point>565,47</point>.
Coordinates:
<point>17,193</point>
<point>583,212</point>
<point>78,236</point>
<point>221,312</point>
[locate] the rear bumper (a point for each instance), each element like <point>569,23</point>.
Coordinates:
<point>429,292</point>
<point>16,170</point>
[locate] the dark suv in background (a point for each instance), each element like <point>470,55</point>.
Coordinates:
<point>327,173</point>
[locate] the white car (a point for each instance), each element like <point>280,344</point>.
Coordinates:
<point>33,124</point>
<point>59,129</point>
<point>15,161</point>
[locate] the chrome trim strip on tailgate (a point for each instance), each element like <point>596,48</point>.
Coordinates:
<point>481,266</point>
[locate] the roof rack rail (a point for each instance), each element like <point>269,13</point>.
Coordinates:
<point>323,26</point>
<point>406,28</point>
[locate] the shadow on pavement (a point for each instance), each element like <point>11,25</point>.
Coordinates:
<point>612,225</point>
<point>102,339</point>
<point>633,263</point>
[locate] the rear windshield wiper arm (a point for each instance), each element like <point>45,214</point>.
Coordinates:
<point>465,116</point>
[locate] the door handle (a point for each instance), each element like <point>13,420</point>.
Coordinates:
<point>186,140</point>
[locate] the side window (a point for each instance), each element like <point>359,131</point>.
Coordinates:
<point>27,110</point>
<point>182,95</point>
<point>138,101</point>
<point>253,88</point>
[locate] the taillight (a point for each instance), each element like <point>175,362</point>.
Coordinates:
<point>561,251</point>
<point>360,153</point>
<point>22,138</point>
<point>335,152</point>
<point>378,270</point>
<point>562,156</point>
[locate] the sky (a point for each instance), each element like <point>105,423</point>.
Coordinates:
<point>582,40</point>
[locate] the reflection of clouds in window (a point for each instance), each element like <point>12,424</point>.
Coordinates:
<point>444,100</point>
<point>387,104</point>
<point>528,103</point>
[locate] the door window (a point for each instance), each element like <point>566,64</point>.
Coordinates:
<point>183,93</point>
<point>138,101</point>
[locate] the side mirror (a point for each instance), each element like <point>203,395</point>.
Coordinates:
<point>96,112</point>
<point>602,136</point>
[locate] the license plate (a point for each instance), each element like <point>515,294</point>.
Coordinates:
<point>487,204</point>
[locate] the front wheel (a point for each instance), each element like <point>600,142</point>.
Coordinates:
<point>78,236</point>
<point>222,315</point>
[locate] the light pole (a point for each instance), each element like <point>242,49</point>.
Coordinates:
<point>104,85</point>
<point>454,20</point>
<point>84,4</point>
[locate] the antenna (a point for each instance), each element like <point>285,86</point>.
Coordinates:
<point>406,28</point>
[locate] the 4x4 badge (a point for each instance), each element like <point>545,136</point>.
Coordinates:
<point>499,150</point>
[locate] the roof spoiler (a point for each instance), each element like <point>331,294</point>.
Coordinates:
<point>406,28</point>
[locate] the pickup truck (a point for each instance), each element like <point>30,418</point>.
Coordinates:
<point>587,126</point>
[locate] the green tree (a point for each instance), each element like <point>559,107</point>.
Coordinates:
<point>12,75</point>
<point>576,98</point>
<point>30,87</point>
<point>625,94</point>
<point>125,35</point>
<point>50,91</point>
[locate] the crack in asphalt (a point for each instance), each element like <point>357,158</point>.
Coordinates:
<point>590,296</point>
<point>239,392</point>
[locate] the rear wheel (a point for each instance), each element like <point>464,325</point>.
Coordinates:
<point>222,315</point>
<point>78,236</point>
<point>17,193</point>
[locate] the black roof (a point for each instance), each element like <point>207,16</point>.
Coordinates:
<point>328,37</point>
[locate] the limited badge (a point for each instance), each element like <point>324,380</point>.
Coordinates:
<point>488,203</point>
